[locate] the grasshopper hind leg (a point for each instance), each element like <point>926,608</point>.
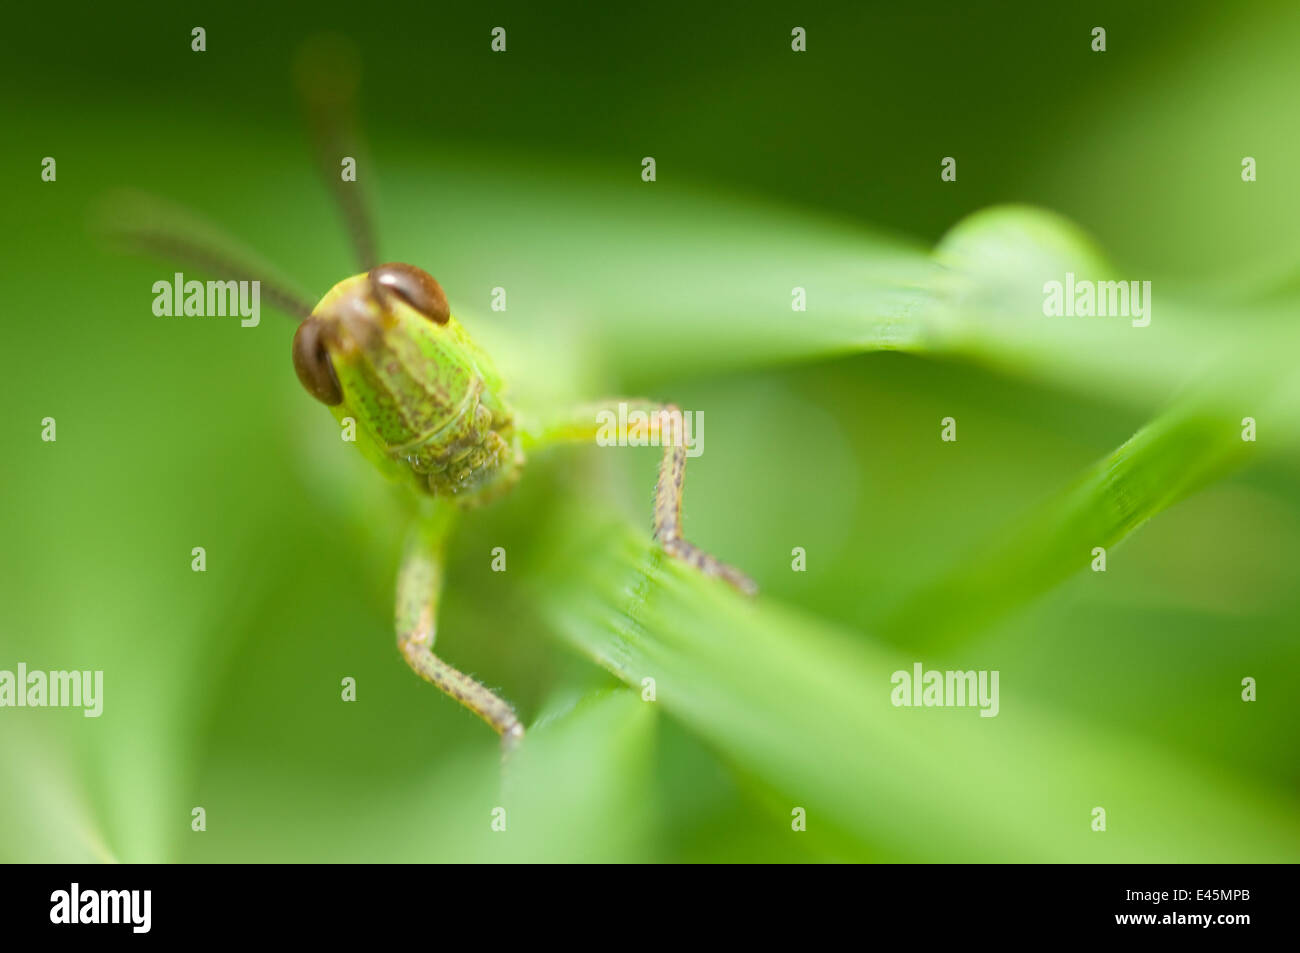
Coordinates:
<point>668,514</point>
<point>584,423</point>
<point>419,585</point>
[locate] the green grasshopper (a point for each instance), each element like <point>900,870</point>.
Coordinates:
<point>431,411</point>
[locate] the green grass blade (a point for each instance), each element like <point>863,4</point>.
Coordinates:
<point>1164,462</point>
<point>807,708</point>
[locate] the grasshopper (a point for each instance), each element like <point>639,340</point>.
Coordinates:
<point>431,411</point>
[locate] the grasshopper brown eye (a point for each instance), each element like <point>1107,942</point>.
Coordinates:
<point>313,364</point>
<point>417,288</point>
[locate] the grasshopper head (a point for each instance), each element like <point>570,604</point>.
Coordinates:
<point>383,348</point>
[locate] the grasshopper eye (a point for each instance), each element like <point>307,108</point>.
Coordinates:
<point>417,288</point>
<point>313,364</point>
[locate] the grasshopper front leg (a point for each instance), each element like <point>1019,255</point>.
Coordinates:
<point>585,423</point>
<point>419,584</point>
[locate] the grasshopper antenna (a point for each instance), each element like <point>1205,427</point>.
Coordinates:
<point>327,73</point>
<point>142,224</point>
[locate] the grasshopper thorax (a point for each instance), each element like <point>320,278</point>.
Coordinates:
<point>382,349</point>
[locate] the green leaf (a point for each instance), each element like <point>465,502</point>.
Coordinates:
<point>1167,460</point>
<point>807,708</point>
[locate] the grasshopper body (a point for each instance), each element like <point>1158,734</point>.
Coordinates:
<point>383,349</point>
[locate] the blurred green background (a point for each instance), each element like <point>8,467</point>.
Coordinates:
<point>775,170</point>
